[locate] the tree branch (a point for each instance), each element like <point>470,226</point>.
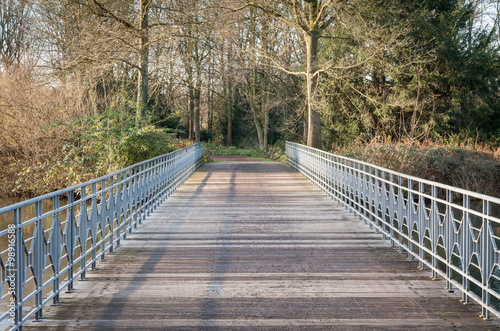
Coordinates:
<point>268,10</point>
<point>107,13</point>
<point>320,13</point>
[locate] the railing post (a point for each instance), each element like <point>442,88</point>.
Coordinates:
<point>83,231</point>
<point>103,212</point>
<point>122,204</point>
<point>450,233</point>
<point>380,222</point>
<point>116,210</point>
<point>70,237</point>
<point>38,259</point>
<point>487,259</point>
<point>421,224</point>
<point>366,195</point>
<point>371,197</point>
<point>390,204</point>
<point>132,188</point>
<point>93,225</point>
<point>110,211</point>
<point>466,249</point>
<point>411,219</point>
<point>383,202</point>
<point>19,268</point>
<point>56,249</point>
<point>433,218</point>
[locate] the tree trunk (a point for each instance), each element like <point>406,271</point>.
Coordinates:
<point>313,116</point>
<point>229,141</point>
<point>210,98</point>
<point>265,109</point>
<point>191,113</point>
<point>197,101</point>
<point>305,127</point>
<point>256,106</point>
<point>261,115</point>
<point>266,128</point>
<point>210,115</point>
<point>228,100</point>
<point>143,79</point>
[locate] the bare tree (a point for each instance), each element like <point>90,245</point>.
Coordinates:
<point>14,29</point>
<point>310,18</point>
<point>110,32</point>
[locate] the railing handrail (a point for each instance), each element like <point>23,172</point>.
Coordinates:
<point>452,239</point>
<point>63,191</point>
<point>477,195</point>
<point>71,237</point>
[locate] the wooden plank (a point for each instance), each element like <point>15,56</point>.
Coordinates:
<point>253,245</point>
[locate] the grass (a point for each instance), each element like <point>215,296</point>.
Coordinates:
<point>260,159</point>
<point>246,158</point>
<point>275,153</point>
<point>214,149</point>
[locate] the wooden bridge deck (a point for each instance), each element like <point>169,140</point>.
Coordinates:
<point>254,245</point>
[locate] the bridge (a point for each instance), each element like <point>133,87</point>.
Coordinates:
<point>253,245</point>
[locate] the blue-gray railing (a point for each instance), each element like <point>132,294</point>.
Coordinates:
<point>453,232</point>
<point>71,229</point>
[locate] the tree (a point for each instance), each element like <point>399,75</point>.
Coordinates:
<point>409,70</point>
<point>311,18</point>
<point>14,28</point>
<point>110,32</point>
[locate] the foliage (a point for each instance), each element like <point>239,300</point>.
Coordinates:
<point>95,146</point>
<point>275,152</point>
<point>410,70</point>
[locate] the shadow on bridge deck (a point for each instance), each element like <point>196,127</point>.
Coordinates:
<point>254,245</point>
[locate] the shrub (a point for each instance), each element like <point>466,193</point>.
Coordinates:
<point>472,168</point>
<point>95,146</point>
<point>146,143</point>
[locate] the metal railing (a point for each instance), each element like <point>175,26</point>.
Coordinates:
<point>453,232</point>
<point>69,230</point>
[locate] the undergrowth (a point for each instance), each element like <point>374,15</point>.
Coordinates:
<point>473,167</point>
<point>93,146</point>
